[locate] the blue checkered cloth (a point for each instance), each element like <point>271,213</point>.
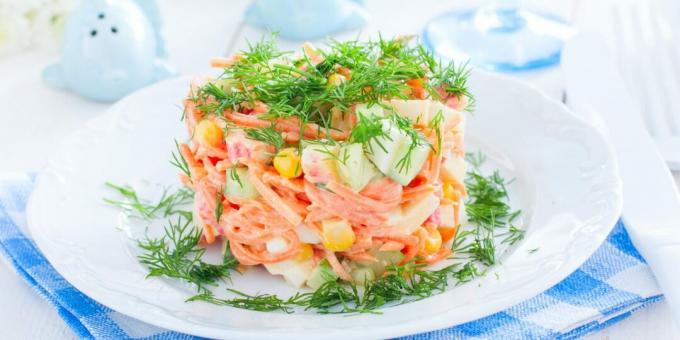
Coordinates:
<point>608,288</point>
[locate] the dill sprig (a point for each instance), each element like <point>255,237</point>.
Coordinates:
<point>436,125</point>
<point>468,273</point>
<point>267,135</point>
<point>513,235</point>
<point>233,175</point>
<point>417,140</point>
<point>133,206</point>
<point>453,79</point>
<point>177,255</point>
<point>179,162</point>
<point>369,128</point>
<point>488,207</point>
<point>489,213</point>
<point>219,207</point>
<point>402,284</point>
<point>257,302</point>
<point>475,160</point>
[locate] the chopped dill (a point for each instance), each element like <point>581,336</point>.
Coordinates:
<point>219,207</point>
<point>435,124</point>
<point>267,135</point>
<point>292,85</point>
<point>369,128</point>
<point>513,235</point>
<point>402,284</point>
<point>133,206</point>
<point>468,273</point>
<point>257,302</point>
<point>179,162</point>
<point>453,79</point>
<point>417,140</point>
<point>177,255</point>
<point>233,174</point>
<point>489,214</point>
<point>312,85</point>
<point>475,160</point>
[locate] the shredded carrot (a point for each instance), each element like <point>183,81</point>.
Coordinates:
<point>337,267</point>
<point>416,193</point>
<point>340,207</point>
<point>362,256</point>
<point>221,62</point>
<point>271,197</point>
<point>362,200</point>
<point>436,257</point>
<point>391,246</point>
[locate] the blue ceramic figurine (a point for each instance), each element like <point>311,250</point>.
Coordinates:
<point>306,19</point>
<point>110,48</point>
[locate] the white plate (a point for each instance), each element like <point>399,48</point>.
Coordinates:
<point>566,184</point>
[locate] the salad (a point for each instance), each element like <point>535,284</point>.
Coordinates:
<point>328,163</point>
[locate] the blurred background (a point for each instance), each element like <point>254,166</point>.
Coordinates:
<point>44,50</point>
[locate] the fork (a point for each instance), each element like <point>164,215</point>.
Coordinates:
<point>648,54</point>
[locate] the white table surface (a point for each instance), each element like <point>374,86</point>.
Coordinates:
<point>35,117</point>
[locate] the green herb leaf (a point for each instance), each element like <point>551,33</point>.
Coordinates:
<point>267,135</point>
<point>167,205</point>
<point>219,207</point>
<point>177,255</point>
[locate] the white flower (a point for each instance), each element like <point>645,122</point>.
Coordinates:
<point>48,24</point>
<point>32,23</point>
<point>21,7</point>
<point>15,32</point>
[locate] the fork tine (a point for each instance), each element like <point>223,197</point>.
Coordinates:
<point>625,44</point>
<point>641,22</point>
<point>668,73</point>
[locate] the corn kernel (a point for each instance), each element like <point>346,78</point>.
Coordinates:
<point>450,193</point>
<point>306,252</point>
<point>433,241</point>
<point>335,80</point>
<point>447,233</point>
<point>287,163</point>
<point>208,132</point>
<point>337,235</point>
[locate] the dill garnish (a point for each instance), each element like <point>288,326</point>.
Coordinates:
<point>402,284</point>
<point>267,135</point>
<point>513,235</point>
<point>233,174</point>
<point>417,140</point>
<point>292,85</point>
<point>453,79</point>
<point>369,128</point>
<point>258,302</point>
<point>179,162</point>
<point>468,273</point>
<point>219,207</point>
<point>489,213</point>
<point>177,255</point>
<point>435,124</point>
<point>133,206</point>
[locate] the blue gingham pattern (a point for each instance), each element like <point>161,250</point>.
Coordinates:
<point>609,287</point>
